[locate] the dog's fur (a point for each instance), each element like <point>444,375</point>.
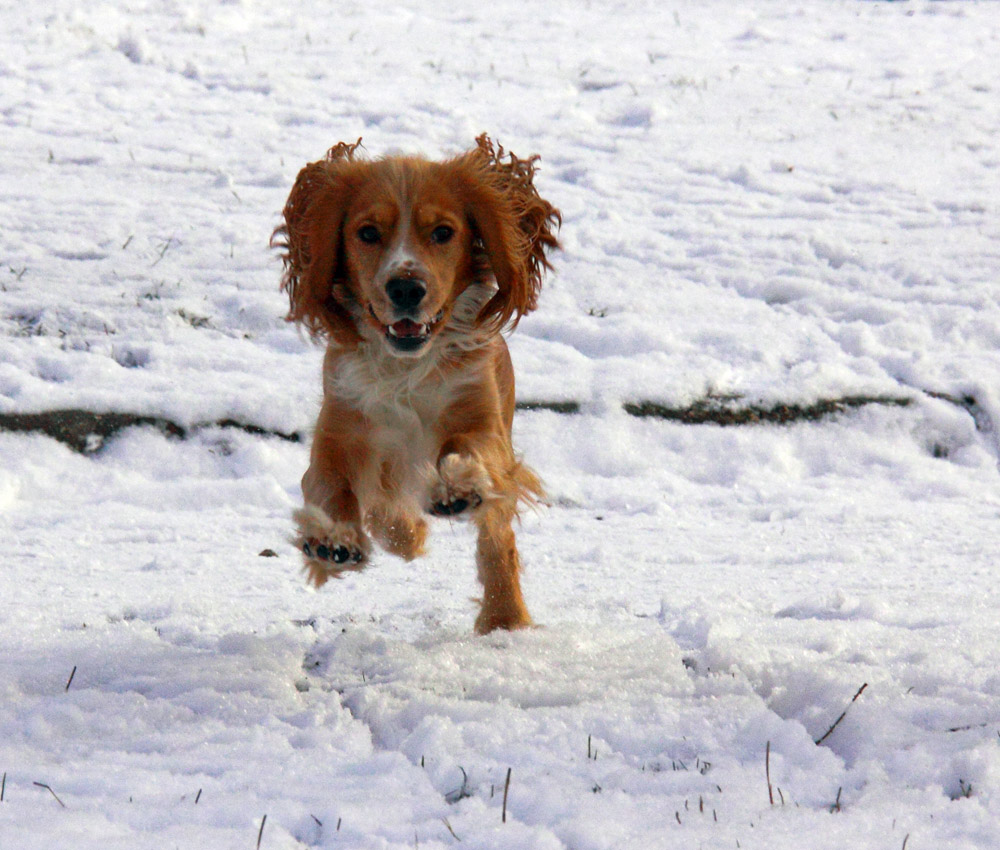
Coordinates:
<point>410,269</point>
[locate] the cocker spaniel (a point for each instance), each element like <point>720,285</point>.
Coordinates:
<point>410,269</point>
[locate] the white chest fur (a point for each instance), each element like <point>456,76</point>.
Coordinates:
<point>403,401</point>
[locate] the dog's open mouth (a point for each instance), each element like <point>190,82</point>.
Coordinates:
<point>408,335</point>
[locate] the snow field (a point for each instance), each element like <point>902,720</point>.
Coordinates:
<point>193,675</point>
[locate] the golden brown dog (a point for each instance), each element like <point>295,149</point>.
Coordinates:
<point>410,269</point>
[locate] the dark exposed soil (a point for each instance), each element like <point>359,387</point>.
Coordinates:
<point>86,431</point>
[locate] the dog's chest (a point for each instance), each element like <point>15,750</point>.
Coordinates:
<point>405,428</point>
<point>403,403</point>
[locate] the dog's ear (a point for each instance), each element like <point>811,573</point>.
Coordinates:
<point>515,224</point>
<point>311,240</point>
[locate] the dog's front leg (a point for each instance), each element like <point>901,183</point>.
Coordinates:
<point>462,482</point>
<point>499,568</point>
<point>329,529</point>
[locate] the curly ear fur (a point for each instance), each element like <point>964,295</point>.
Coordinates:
<point>310,238</point>
<point>515,225</point>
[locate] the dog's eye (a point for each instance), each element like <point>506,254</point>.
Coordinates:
<point>441,234</point>
<point>369,234</point>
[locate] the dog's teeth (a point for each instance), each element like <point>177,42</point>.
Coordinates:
<point>421,330</point>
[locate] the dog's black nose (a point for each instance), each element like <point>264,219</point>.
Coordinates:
<point>405,292</point>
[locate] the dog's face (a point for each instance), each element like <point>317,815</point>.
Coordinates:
<point>408,251</point>
<point>384,248</point>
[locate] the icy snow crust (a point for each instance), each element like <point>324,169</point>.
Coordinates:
<point>783,204</point>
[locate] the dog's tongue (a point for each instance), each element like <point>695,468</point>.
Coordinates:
<point>407,327</point>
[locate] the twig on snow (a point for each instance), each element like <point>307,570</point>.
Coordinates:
<point>163,250</point>
<point>71,675</point>
<point>260,834</point>
<point>448,826</point>
<point>836,803</point>
<point>767,772</point>
<point>506,788</point>
<point>53,793</point>
<point>843,714</point>
<point>968,728</point>
<point>460,793</point>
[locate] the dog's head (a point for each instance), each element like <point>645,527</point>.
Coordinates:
<point>385,248</point>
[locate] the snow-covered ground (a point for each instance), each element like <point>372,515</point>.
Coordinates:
<point>778,202</point>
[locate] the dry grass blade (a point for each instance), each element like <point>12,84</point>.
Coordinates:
<point>53,793</point>
<point>506,788</point>
<point>843,714</point>
<point>767,772</point>
<point>448,827</point>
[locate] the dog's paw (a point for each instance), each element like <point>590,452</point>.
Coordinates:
<point>462,484</point>
<point>329,548</point>
<point>333,549</point>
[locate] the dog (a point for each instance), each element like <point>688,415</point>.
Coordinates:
<point>410,269</point>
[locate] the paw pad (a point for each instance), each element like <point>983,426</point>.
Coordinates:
<point>333,554</point>
<point>457,505</point>
<point>462,484</point>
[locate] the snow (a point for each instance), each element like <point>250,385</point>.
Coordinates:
<point>786,204</point>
